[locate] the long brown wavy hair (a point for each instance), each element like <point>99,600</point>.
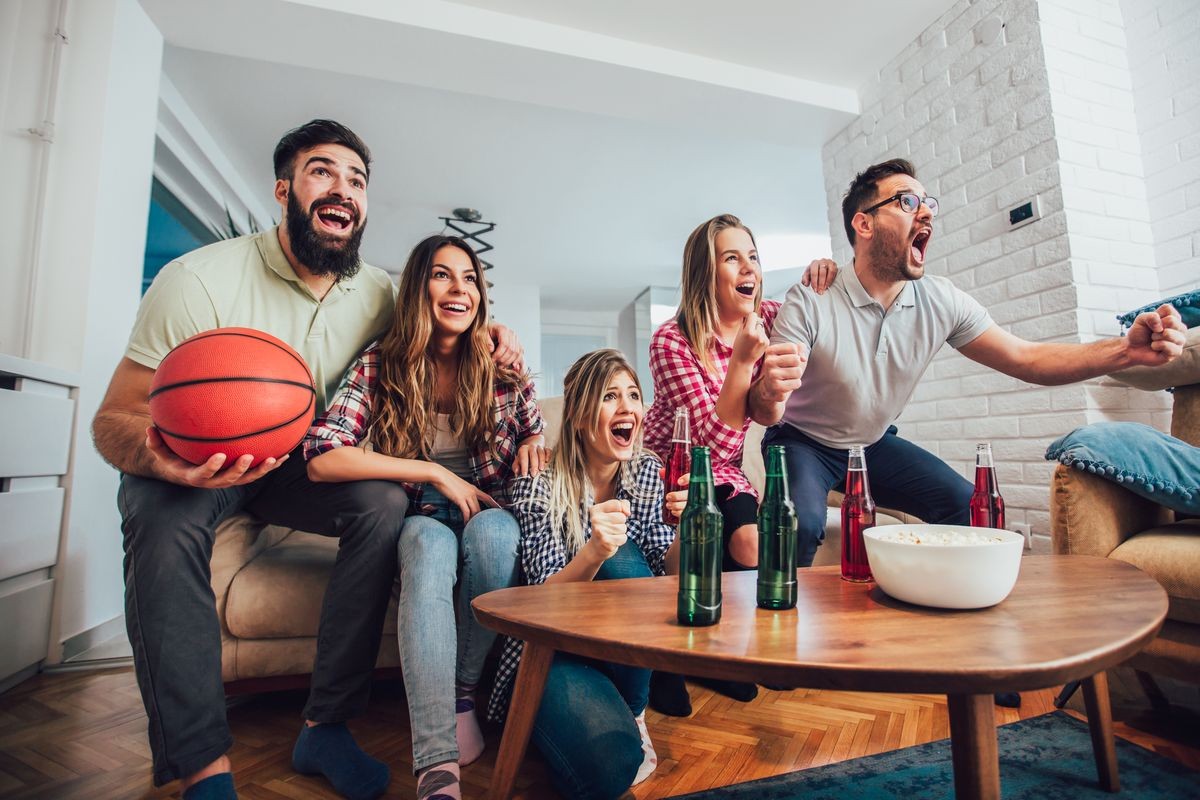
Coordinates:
<point>697,317</point>
<point>404,406</point>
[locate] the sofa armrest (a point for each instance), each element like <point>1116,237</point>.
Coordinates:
<point>1091,516</point>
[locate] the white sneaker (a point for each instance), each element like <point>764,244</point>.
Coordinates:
<point>649,757</point>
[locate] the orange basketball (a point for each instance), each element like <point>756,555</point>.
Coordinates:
<point>233,391</point>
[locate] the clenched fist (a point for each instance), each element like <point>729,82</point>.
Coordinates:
<point>608,527</point>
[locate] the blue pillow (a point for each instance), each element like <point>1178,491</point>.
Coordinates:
<point>1146,461</point>
<point>1188,306</point>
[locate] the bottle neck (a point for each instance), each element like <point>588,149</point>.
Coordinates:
<point>857,483</point>
<point>983,456</point>
<point>680,432</point>
<point>700,484</point>
<point>776,484</point>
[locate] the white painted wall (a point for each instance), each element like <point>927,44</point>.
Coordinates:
<point>1163,39</point>
<point>518,305</point>
<point>88,280</point>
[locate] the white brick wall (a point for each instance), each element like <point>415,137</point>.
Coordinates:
<point>1111,244</point>
<point>1047,109</point>
<point>1164,59</point>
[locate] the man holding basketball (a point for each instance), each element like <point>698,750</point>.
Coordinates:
<point>304,283</point>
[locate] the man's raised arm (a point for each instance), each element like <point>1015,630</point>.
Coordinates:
<point>1155,338</point>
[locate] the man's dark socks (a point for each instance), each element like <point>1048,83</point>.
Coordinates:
<point>1008,699</point>
<point>742,692</point>
<point>669,694</point>
<point>330,750</point>
<point>214,787</point>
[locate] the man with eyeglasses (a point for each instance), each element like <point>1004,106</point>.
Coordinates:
<point>869,340</point>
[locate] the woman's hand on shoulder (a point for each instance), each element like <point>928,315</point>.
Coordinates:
<point>820,274</point>
<point>469,498</point>
<point>532,458</point>
<point>751,340</point>
<point>609,524</point>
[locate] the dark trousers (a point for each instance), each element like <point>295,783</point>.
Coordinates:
<point>902,475</point>
<point>170,608</point>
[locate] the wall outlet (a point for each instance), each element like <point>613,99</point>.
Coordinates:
<point>1023,529</point>
<point>1025,212</point>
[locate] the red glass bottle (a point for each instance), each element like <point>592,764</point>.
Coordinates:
<point>987,506</point>
<point>680,459</point>
<point>858,514</point>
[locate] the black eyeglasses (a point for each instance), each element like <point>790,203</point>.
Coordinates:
<point>908,202</point>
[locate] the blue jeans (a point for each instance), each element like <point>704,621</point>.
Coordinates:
<point>903,476</point>
<point>434,651</point>
<point>584,726</point>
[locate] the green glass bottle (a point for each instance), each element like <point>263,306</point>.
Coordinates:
<point>700,541</point>
<point>776,537</point>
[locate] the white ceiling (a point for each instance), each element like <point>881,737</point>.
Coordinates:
<point>596,135</point>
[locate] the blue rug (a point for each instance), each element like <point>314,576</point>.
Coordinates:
<point>1042,758</point>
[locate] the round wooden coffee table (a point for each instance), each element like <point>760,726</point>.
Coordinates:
<point>1068,618</point>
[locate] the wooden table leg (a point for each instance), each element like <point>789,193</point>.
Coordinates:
<point>522,709</point>
<point>973,746</point>
<point>1099,714</point>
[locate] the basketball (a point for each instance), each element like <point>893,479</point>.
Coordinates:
<point>235,391</point>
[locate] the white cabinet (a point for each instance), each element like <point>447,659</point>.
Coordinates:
<point>37,418</point>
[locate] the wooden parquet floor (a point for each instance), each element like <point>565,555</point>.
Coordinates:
<point>83,735</point>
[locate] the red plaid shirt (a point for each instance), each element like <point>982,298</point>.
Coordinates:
<point>681,382</point>
<point>347,422</point>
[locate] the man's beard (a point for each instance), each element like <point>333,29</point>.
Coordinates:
<point>321,254</point>
<point>889,258</point>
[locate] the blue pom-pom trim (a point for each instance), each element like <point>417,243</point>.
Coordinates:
<point>1150,483</point>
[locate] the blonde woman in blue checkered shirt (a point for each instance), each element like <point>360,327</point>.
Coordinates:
<point>594,513</point>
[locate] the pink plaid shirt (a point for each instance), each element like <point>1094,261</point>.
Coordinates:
<point>681,382</point>
<point>347,422</point>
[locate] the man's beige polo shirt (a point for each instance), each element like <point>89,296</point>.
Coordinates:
<point>248,283</point>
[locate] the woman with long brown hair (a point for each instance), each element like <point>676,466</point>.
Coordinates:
<point>704,361</point>
<point>427,407</point>
<point>594,513</point>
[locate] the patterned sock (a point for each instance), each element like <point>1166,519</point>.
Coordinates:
<point>439,782</point>
<point>214,787</point>
<point>466,725</point>
<point>649,757</point>
<point>330,750</point>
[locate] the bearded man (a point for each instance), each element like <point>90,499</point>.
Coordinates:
<point>863,346</point>
<point>304,283</point>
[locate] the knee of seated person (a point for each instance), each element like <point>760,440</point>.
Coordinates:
<point>178,522</point>
<point>384,500</point>
<point>810,523</point>
<point>425,539</point>
<point>491,534</point>
<point>610,763</point>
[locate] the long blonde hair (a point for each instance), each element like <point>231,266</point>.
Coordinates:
<point>404,406</point>
<point>571,493</point>
<point>697,317</point>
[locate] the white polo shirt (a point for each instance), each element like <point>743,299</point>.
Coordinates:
<point>864,363</point>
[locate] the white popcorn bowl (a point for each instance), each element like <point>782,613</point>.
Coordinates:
<point>975,575</point>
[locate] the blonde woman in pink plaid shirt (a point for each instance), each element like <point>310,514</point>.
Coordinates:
<point>705,360</point>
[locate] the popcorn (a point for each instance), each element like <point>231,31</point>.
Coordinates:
<point>896,533</point>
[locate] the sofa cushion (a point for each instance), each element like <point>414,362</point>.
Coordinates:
<point>278,595</point>
<point>1171,555</point>
<point>1146,461</point>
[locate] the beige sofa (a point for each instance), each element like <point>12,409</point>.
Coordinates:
<point>269,583</point>
<point>1093,516</point>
